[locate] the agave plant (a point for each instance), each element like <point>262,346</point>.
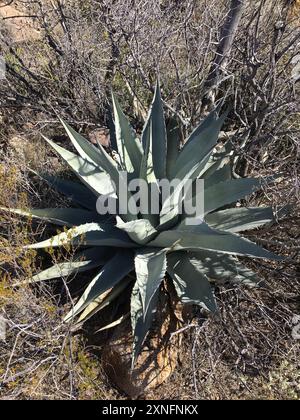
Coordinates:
<point>153,245</point>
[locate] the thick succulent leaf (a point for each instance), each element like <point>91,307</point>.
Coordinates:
<point>171,208</point>
<point>59,216</point>
<point>115,323</point>
<point>227,192</point>
<point>204,125</point>
<point>140,231</point>
<point>224,173</point>
<point>224,193</point>
<point>192,285</point>
<point>99,182</point>
<point>78,193</point>
<point>119,180</point>
<point>140,322</point>
<point>220,175</point>
<point>203,237</point>
<point>109,276</point>
<point>147,174</point>
<point>153,145</point>
<point>150,268</point>
<point>88,151</point>
<point>223,268</point>
<point>83,261</point>
<point>173,145</point>
<point>104,300</point>
<point>198,165</point>
<point>89,234</point>
<point>147,167</point>
<point>196,150</point>
<point>129,147</point>
<point>154,137</point>
<point>107,182</point>
<point>145,196</point>
<point>239,219</point>
<point>218,159</point>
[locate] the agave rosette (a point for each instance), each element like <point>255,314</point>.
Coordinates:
<point>193,256</point>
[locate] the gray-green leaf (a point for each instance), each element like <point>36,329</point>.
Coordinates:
<point>223,268</point>
<point>77,192</point>
<point>239,219</point>
<point>129,147</point>
<point>83,261</point>
<point>154,136</point>
<point>203,237</point>
<point>140,322</point>
<point>99,182</point>
<point>192,285</point>
<point>227,192</point>
<point>150,268</point>
<point>140,231</point>
<point>101,302</point>
<point>195,150</point>
<point>110,275</point>
<point>90,234</point>
<point>59,216</point>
